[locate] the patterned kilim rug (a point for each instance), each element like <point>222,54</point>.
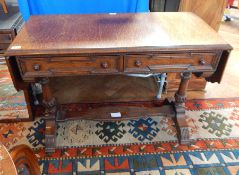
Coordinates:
<point>12,103</point>
<point>147,146</point>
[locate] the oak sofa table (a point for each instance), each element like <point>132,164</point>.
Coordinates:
<point>51,49</point>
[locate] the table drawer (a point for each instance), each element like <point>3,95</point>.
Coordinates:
<point>3,47</point>
<point>171,62</point>
<point>5,38</point>
<point>58,66</point>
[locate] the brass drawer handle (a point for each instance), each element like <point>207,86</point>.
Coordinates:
<point>36,67</point>
<point>104,65</point>
<point>138,63</point>
<point>202,61</point>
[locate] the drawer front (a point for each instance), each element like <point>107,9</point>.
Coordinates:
<point>194,62</point>
<point>58,66</point>
<point>3,47</point>
<point>5,38</point>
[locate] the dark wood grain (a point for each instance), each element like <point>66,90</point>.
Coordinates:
<point>195,84</point>
<point>174,62</point>
<point>103,113</point>
<point>180,99</point>
<point>217,76</point>
<point>61,66</point>
<point>50,114</point>
<point>102,88</point>
<point>65,34</point>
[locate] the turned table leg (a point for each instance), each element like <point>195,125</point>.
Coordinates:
<point>180,98</point>
<point>50,105</point>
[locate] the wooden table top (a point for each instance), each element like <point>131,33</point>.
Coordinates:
<point>109,33</point>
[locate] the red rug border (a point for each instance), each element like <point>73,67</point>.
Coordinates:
<point>148,148</point>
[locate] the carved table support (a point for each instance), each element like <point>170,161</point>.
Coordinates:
<point>180,98</point>
<point>50,105</point>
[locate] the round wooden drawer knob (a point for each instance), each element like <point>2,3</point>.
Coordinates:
<point>104,65</point>
<point>138,63</point>
<point>36,67</point>
<point>202,61</point>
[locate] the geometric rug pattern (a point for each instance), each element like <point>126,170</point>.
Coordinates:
<point>12,103</point>
<point>220,162</point>
<point>208,119</point>
<point>215,150</point>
